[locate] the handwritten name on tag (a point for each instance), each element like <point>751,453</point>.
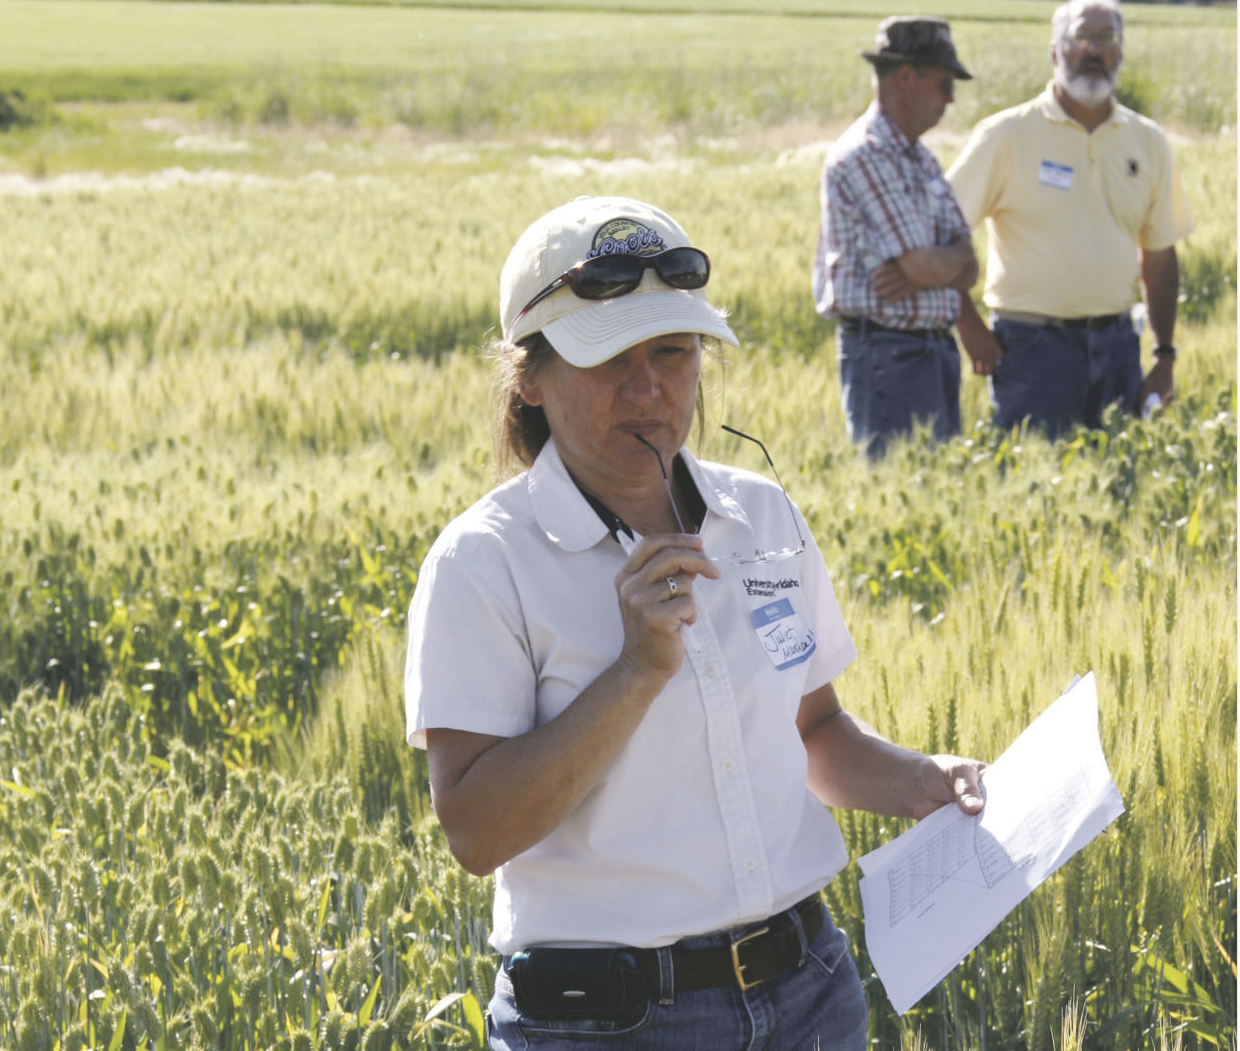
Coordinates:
<point>1057,175</point>
<point>786,640</point>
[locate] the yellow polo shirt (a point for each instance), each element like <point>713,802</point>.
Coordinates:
<point>1066,210</point>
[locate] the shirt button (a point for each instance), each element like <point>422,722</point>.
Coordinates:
<point>728,766</point>
<point>710,670</point>
<point>750,864</point>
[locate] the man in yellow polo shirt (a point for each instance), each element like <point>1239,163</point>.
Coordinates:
<point>1081,200</point>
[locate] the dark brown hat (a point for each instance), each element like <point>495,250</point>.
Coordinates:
<point>921,41</point>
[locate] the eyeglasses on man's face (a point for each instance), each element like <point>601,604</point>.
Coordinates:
<point>758,555</point>
<point>1102,32</point>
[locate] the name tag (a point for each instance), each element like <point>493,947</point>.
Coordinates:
<point>1057,175</point>
<point>784,637</point>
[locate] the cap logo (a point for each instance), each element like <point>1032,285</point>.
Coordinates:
<point>625,237</point>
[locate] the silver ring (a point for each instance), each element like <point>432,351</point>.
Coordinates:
<point>672,589</point>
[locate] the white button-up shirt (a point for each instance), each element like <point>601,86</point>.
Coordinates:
<point>703,821</point>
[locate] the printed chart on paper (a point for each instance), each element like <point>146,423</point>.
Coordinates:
<point>931,895</point>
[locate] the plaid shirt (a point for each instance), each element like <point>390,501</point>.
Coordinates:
<point>882,196</point>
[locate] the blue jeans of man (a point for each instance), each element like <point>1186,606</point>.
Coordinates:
<point>1057,377</point>
<point>891,381</point>
<point>818,1006</point>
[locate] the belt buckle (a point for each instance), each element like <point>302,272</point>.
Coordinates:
<point>738,968</point>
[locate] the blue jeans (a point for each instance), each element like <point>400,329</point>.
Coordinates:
<point>818,1006</point>
<point>892,380</point>
<point>1057,377</point>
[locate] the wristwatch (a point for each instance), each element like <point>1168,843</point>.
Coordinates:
<point>1165,350</point>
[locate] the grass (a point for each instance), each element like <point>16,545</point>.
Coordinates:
<point>120,85</point>
<point>241,394</point>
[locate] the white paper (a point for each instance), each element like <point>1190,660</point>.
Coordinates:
<point>931,895</point>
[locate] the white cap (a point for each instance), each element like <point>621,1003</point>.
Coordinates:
<point>586,332</point>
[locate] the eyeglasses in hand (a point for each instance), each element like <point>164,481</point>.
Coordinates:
<point>737,559</point>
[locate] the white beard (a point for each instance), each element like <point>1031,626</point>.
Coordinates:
<point>1089,91</point>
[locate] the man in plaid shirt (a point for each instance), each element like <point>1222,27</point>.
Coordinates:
<point>894,252</point>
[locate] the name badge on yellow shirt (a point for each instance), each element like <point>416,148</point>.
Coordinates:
<point>1057,175</point>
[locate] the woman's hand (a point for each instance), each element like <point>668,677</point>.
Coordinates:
<point>497,797</point>
<point>652,610</point>
<point>946,779</point>
<point>851,765</point>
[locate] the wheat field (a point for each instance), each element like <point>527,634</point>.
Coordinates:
<point>251,256</point>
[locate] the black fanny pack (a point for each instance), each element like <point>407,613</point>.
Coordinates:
<point>571,984</point>
<point>614,984</point>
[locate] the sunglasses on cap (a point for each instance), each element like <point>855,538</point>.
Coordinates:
<point>608,276</point>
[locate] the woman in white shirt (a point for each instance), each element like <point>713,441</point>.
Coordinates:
<point>620,664</point>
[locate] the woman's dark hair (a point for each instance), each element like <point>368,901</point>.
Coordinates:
<point>519,430</point>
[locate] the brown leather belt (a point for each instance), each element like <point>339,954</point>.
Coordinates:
<point>747,961</point>
<point>1041,320</point>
